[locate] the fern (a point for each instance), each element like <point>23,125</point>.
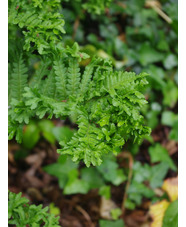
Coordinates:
<point>43,24</point>
<point>40,72</point>
<point>21,214</point>
<point>61,78</point>
<point>73,77</point>
<point>105,104</point>
<point>18,78</point>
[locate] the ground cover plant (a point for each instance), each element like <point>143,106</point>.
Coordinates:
<point>88,81</point>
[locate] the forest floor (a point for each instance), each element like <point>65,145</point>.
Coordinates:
<point>27,176</point>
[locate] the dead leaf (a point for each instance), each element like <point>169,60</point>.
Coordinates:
<point>35,159</point>
<point>157,212</point>
<point>171,146</point>
<point>171,187</point>
<point>35,194</point>
<point>105,209</point>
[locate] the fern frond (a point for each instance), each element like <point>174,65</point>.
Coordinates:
<point>40,73</point>
<point>86,144</point>
<point>44,26</point>
<point>49,86</point>
<point>20,213</point>
<point>61,78</point>
<point>18,78</point>
<point>73,77</point>
<point>86,78</point>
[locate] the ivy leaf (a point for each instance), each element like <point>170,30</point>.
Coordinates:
<point>62,134</point>
<point>170,61</point>
<point>31,135</point>
<point>46,127</point>
<point>169,118</point>
<point>115,213</point>
<point>61,169</point>
<point>158,172</point>
<point>171,215</point>
<point>148,54</point>
<point>170,92</point>
<point>111,173</point>
<point>159,153</point>
<point>75,185</point>
<point>92,176</point>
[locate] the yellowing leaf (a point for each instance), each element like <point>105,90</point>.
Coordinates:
<point>171,187</point>
<point>157,212</point>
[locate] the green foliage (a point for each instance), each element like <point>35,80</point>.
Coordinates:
<point>111,173</point>
<point>73,181</point>
<point>20,213</point>
<point>97,6</point>
<point>94,6</point>
<point>115,213</point>
<point>106,223</point>
<point>159,153</point>
<point>31,136</point>
<point>142,174</point>
<point>105,191</point>
<point>41,21</point>
<point>18,79</point>
<point>98,97</point>
<point>53,209</point>
<point>171,215</point>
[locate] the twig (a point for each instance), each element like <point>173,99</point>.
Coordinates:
<point>86,215</point>
<point>152,4</point>
<point>76,25</point>
<point>128,156</point>
<point>156,6</point>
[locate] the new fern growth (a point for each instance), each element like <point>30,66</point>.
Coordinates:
<point>21,214</point>
<point>105,104</point>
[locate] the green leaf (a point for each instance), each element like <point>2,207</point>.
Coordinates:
<point>106,223</point>
<point>171,215</point>
<point>46,127</point>
<point>31,135</point>
<point>170,92</point>
<point>105,191</point>
<point>137,190</point>
<point>147,54</point>
<point>53,209</point>
<point>61,169</point>
<point>111,173</point>
<point>170,61</point>
<point>92,176</point>
<point>129,204</point>
<point>75,185</point>
<point>158,153</point>
<point>62,134</point>
<point>158,173</point>
<point>174,132</point>
<point>169,118</point>
<point>115,213</point>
